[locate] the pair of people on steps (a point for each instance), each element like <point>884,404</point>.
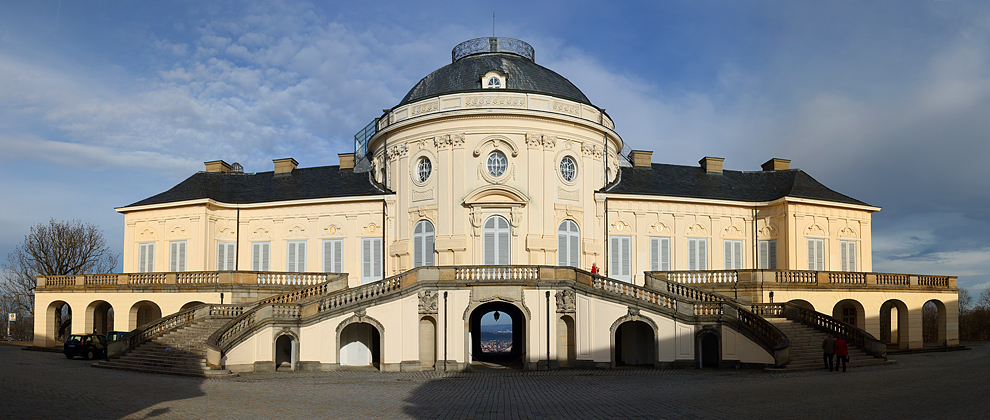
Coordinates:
<point>833,347</point>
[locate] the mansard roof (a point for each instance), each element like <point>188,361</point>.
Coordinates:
<point>695,182</point>
<point>263,187</point>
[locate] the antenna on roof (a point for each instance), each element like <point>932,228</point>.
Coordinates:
<point>493,24</point>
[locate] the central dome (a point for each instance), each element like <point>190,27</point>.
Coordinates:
<point>510,57</point>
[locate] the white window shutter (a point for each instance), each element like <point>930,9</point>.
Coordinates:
<point>266,256</point>
<point>290,265</point>
<point>231,256</point>
<point>366,259</point>
<point>727,250</point>
<point>811,254</point>
<point>429,249</point>
<point>221,256</point>
<point>772,255</point>
<point>852,256</point>
<point>182,256</point>
<point>377,245</point>
<point>418,240</point>
<point>821,255</point>
<point>503,247</point>
<point>338,256</point>
<point>692,254</point>
<point>614,262</point>
<point>562,247</point>
<point>664,254</point>
<point>489,245</point>
<point>843,256</point>
<point>626,258</point>
<point>702,254</point>
<point>173,256</point>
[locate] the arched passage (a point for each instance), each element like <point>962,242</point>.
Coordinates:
<point>851,312</point>
<point>360,345</point>
<point>894,323</point>
<point>933,323</point>
<point>496,344</point>
<point>427,343</point>
<point>802,303</point>
<point>285,352</point>
<point>58,317</point>
<point>143,313</point>
<point>709,349</point>
<point>635,344</point>
<point>565,341</point>
<point>99,317</point>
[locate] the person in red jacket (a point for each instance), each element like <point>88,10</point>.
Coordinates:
<point>841,353</point>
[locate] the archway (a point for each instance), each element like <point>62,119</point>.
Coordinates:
<point>565,341</point>
<point>427,343</point>
<point>933,323</point>
<point>285,353</point>
<point>802,303</point>
<point>99,317</point>
<point>710,353</point>
<point>190,305</point>
<point>851,312</point>
<point>497,341</point>
<point>635,344</point>
<point>143,313</point>
<point>894,323</point>
<point>59,320</point>
<point>360,345</point>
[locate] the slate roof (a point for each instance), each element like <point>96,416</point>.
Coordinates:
<point>694,182</point>
<point>263,187</point>
<point>465,75</point>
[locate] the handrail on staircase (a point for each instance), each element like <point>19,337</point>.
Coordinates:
<point>167,324</point>
<point>770,336</point>
<point>823,322</point>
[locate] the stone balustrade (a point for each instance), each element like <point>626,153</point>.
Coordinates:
<point>741,278</point>
<point>127,281</point>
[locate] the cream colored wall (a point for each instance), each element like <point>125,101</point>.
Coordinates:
<point>736,346</point>
<point>871,301</point>
<point>204,224</point>
<point>122,303</point>
<point>789,224</point>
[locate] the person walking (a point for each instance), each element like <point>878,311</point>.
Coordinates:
<point>828,347</point>
<point>841,353</point>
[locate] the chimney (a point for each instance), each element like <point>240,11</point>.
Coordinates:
<point>776,164</point>
<point>641,158</point>
<point>284,167</point>
<point>217,166</point>
<point>712,165</point>
<point>346,160</point>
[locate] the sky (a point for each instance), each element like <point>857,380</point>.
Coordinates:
<point>105,103</point>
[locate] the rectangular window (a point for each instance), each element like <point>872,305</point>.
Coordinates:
<point>146,257</point>
<point>620,266</point>
<point>260,252</point>
<point>733,254</point>
<point>333,256</point>
<point>768,255</point>
<point>816,254</point>
<point>371,260</point>
<point>697,254</point>
<point>295,259</point>
<point>177,256</point>
<point>847,249</point>
<point>226,256</point>
<point>659,254</point>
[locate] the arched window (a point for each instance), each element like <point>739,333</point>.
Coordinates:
<point>423,244</point>
<point>496,237</point>
<point>568,244</point>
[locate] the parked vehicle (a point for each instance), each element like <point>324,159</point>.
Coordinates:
<point>89,346</point>
<point>116,335</point>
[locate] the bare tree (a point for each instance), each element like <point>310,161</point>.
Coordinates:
<point>965,301</point>
<point>53,249</point>
<point>984,302</point>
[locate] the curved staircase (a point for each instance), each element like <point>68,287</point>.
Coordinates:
<point>180,352</point>
<point>806,348</point>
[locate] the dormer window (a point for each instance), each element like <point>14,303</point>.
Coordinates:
<point>493,80</point>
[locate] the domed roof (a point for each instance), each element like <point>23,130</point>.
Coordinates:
<point>513,58</point>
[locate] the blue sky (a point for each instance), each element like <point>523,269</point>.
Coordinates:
<point>104,103</point>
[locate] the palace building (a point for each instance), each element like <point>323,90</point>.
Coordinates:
<point>495,185</point>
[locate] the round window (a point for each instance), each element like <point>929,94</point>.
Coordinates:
<point>497,163</point>
<point>568,169</point>
<point>423,168</point>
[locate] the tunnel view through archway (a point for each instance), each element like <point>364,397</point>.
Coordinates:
<point>496,330</point>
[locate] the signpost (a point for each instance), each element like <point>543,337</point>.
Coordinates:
<point>11,317</point>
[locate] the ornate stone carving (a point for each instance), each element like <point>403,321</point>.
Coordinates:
<point>659,227</point>
<point>621,226</point>
<point>568,194</point>
<point>549,142</point>
<point>457,140</point>
<point>442,142</point>
<point>147,233</point>
<point>476,220</point>
<point>566,108</point>
<point>767,232</point>
<point>848,232</point>
<point>565,301</point>
<point>398,151</point>
<point>225,233</point>
<point>505,101</point>
<point>177,232</point>
<point>373,228</point>
<point>260,233</point>
<point>333,229</point>
<point>360,313</point>
<point>697,229</point>
<point>424,108</point>
<point>428,302</point>
<point>591,150</point>
<point>533,140</point>
<point>815,230</point>
<point>732,231</point>
<point>633,311</point>
<point>422,195</point>
<point>297,231</point>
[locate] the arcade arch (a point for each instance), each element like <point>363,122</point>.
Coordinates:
<point>851,312</point>
<point>933,323</point>
<point>99,317</point>
<point>894,323</point>
<point>427,343</point>
<point>190,305</point>
<point>143,313</point>
<point>634,342</point>
<point>500,356</point>
<point>802,303</point>
<point>59,315</point>
<point>359,342</point>
<point>709,349</point>
<point>286,352</point>
<point>566,353</point>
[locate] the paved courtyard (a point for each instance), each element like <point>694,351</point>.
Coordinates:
<point>37,385</point>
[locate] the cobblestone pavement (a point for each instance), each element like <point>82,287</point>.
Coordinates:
<point>39,385</point>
